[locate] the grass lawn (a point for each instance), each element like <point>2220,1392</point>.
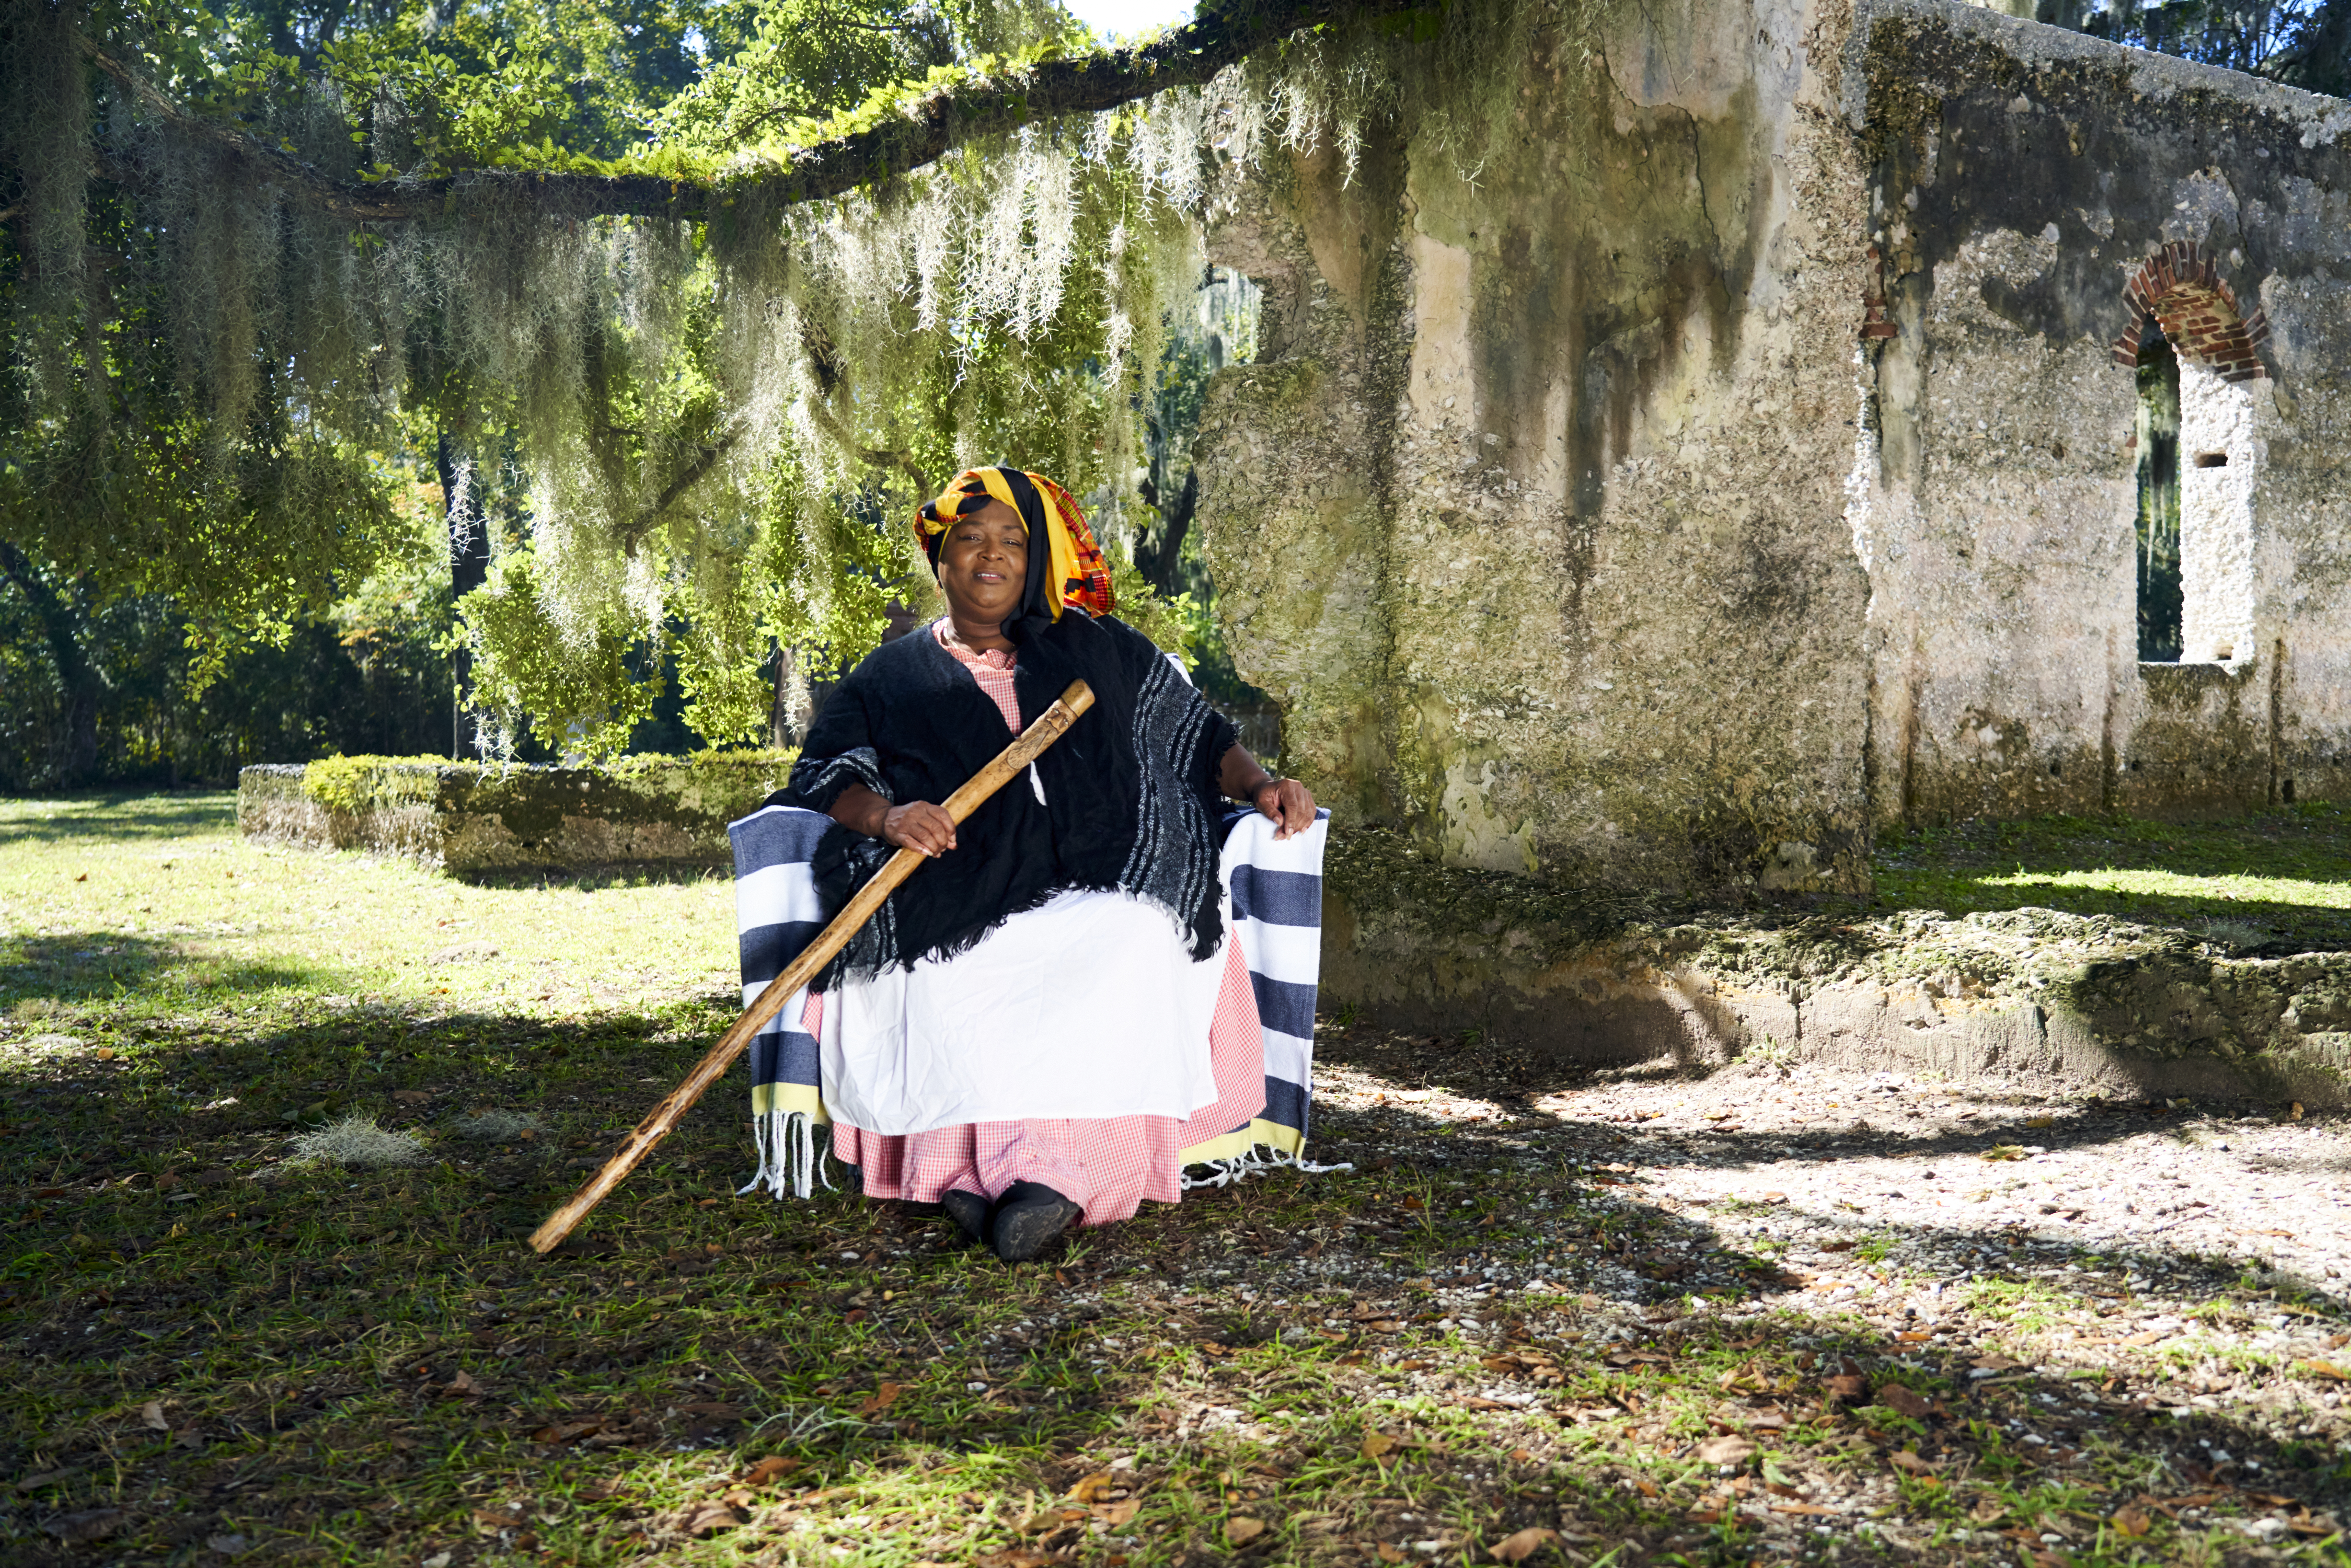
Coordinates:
<point>2281,880</point>
<point>1482,1338</point>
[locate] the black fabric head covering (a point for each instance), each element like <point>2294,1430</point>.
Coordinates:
<point>1036,612</point>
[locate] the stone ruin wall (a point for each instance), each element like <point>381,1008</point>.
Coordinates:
<point>1531,511</point>
<point>1742,464</point>
<point>2038,199</point>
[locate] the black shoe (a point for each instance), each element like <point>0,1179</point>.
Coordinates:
<point>969,1210</point>
<point>1027,1216</point>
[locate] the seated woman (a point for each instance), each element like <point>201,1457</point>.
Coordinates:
<point>1031,1028</point>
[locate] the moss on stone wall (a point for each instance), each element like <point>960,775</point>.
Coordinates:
<point>469,817</point>
<point>2085,1000</point>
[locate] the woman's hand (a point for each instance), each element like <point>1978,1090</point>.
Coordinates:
<point>1289,803</point>
<point>917,825</point>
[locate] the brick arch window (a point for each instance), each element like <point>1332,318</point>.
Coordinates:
<point>2193,348</point>
<point>2179,291</point>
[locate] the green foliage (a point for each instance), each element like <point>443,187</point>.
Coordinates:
<point>573,680</point>
<point>693,443</point>
<point>353,784</point>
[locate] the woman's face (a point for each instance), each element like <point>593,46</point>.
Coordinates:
<point>984,563</point>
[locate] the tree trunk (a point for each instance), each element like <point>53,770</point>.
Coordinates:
<point>78,740</point>
<point>1159,555</point>
<point>469,564</point>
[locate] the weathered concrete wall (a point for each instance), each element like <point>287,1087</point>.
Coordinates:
<point>1531,510</point>
<point>1741,460</point>
<point>470,820</point>
<point>2063,1000</point>
<point>2020,177</point>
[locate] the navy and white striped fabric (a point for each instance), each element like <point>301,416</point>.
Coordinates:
<point>1276,892</point>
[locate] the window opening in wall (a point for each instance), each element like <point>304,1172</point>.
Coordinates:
<point>2159,599</point>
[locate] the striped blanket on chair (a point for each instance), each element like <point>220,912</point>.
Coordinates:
<point>1276,889</point>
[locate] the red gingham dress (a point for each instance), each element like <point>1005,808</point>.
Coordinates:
<point>1107,1164</point>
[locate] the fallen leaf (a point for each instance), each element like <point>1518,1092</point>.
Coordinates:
<point>2326,1369</point>
<point>1388,1553</point>
<point>464,1383</point>
<point>1844,1387</point>
<point>884,1398</point>
<point>1092,1488</point>
<point>1210,1347</point>
<point>1522,1456</point>
<point>1474,1402</point>
<point>768,1469</point>
<point>229,1545</point>
<point>1384,1325</point>
<point>1725,1451</point>
<point>1119,1512</point>
<point>1908,1463</point>
<point>90,1524</point>
<point>1804,1508</point>
<point>1903,1401</point>
<point>567,1431</point>
<point>2146,1337</point>
<point>702,1519</point>
<point>1994,1363</point>
<point>1377,1444</point>
<point>1519,1545</point>
<point>1413,1365</point>
<point>150,1415</point>
<point>41,1478</point>
<point>1241,1530</point>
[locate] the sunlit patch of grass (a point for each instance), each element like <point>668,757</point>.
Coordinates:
<point>2144,886</point>
<point>2277,878</point>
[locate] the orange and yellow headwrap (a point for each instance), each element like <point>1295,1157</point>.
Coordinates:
<point>1070,569</point>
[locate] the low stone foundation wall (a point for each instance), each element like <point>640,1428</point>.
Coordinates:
<point>2066,1001</point>
<point>471,820</point>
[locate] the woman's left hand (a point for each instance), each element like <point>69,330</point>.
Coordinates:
<point>1287,803</point>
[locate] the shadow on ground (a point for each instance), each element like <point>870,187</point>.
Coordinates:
<point>219,1345</point>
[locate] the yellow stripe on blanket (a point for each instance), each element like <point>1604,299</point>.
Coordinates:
<point>789,1099</point>
<point>1234,1145</point>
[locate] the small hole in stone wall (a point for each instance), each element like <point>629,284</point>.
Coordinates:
<point>2134,766</point>
<point>2212,460</point>
<point>2287,792</point>
<point>2056,449</point>
<point>2053,771</point>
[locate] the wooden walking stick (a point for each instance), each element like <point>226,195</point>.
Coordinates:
<point>1050,726</point>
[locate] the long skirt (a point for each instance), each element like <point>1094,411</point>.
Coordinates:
<point>1107,1164</point>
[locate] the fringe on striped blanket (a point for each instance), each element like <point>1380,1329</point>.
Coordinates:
<point>1276,889</point>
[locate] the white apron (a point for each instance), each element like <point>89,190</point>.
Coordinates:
<point>1090,1006</point>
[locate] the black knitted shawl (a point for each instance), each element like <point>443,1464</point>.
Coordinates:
<point>1130,794</point>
